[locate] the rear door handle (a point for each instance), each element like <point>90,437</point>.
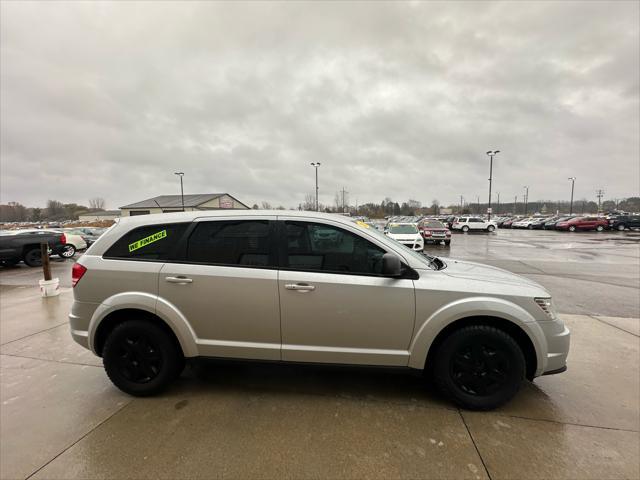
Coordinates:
<point>178,280</point>
<point>300,287</point>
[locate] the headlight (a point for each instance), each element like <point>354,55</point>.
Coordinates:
<point>546,304</point>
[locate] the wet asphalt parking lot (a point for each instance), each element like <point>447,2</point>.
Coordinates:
<point>60,417</point>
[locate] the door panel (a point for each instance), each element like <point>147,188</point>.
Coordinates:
<point>228,287</point>
<point>349,319</point>
<point>233,311</point>
<point>335,304</point>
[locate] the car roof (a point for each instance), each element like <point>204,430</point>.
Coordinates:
<point>178,217</point>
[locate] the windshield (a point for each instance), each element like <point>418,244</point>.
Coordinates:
<point>403,229</point>
<point>433,224</point>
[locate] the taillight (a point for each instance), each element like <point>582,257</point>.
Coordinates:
<point>77,271</point>
<point>63,239</point>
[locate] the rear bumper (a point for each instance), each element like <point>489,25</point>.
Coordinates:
<point>79,320</point>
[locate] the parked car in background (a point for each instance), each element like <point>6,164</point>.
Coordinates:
<point>470,223</point>
<point>434,231</point>
<point>622,222</point>
<point>523,222</point>
<point>407,234</point>
<point>21,245</point>
<point>508,222</point>
<point>583,223</point>
<point>551,223</point>
<point>143,302</point>
<point>90,235</point>
<point>74,242</point>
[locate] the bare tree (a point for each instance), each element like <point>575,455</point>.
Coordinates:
<point>266,206</point>
<point>309,202</point>
<point>96,203</point>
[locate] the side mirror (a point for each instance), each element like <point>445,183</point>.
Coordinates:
<point>391,266</point>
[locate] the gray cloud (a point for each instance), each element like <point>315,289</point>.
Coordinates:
<point>395,99</point>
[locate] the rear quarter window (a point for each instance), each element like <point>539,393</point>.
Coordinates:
<point>151,242</point>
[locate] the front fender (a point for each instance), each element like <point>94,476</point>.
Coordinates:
<point>474,307</point>
<point>152,304</point>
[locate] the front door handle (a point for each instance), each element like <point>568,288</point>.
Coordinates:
<point>178,280</point>
<point>300,287</point>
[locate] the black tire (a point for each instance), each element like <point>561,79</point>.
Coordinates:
<point>447,243</point>
<point>599,228</point>
<point>68,251</point>
<point>141,358</point>
<point>530,227</point>
<point>572,228</point>
<point>465,229</point>
<point>621,227</point>
<point>32,258</point>
<point>490,228</point>
<point>479,367</point>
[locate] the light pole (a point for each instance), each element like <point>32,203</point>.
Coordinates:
<point>316,165</point>
<point>573,182</point>
<point>515,205</point>
<point>478,204</point>
<point>491,155</point>
<point>461,203</point>
<point>526,199</point>
<point>181,174</point>
<point>497,206</point>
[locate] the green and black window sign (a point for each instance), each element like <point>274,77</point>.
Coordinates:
<point>143,242</point>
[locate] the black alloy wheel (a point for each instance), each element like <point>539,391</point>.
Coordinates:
<point>141,358</point>
<point>479,367</point>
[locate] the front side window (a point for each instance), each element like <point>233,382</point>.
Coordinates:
<point>325,248</point>
<point>230,242</point>
<point>152,242</point>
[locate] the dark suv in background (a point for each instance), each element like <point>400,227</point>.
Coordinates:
<point>622,222</point>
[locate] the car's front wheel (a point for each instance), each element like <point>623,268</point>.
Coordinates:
<point>621,227</point>
<point>479,367</point>
<point>141,358</point>
<point>465,229</point>
<point>599,228</point>
<point>572,228</point>
<point>491,228</point>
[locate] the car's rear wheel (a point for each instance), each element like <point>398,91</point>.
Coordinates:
<point>68,251</point>
<point>33,258</point>
<point>530,227</point>
<point>572,228</point>
<point>491,228</point>
<point>621,227</point>
<point>141,358</point>
<point>599,228</point>
<point>479,367</point>
<point>465,229</point>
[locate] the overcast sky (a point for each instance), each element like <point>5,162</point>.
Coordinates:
<point>394,99</point>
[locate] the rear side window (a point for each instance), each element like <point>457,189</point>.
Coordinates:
<point>235,242</point>
<point>152,242</point>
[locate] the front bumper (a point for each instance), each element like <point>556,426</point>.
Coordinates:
<point>558,339</point>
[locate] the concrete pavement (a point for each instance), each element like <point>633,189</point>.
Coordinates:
<point>60,417</point>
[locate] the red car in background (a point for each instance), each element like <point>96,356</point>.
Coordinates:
<point>434,231</point>
<point>583,223</point>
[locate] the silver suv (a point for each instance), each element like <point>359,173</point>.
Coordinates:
<point>305,287</point>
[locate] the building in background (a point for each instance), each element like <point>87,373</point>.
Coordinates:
<point>173,203</point>
<point>99,216</point>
